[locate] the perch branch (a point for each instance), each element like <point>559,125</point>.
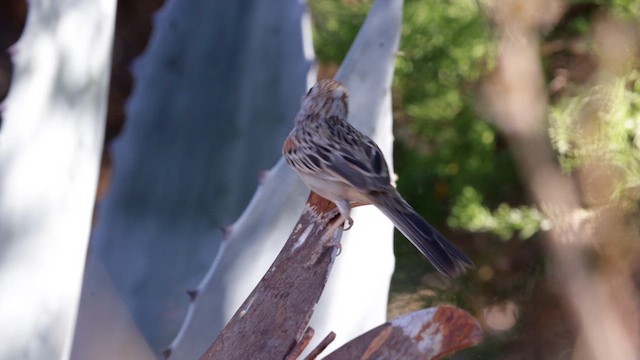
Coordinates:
<point>272,320</point>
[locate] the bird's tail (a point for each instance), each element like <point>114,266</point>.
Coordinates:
<point>444,256</point>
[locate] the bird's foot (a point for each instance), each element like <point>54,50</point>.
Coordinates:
<point>328,240</point>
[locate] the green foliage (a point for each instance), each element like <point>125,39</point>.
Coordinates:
<point>335,25</point>
<point>445,147</point>
<point>628,9</point>
<point>444,46</point>
<point>469,213</point>
<point>611,134</point>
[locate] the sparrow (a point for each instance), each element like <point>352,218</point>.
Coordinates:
<point>346,167</point>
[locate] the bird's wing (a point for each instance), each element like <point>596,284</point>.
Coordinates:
<point>340,153</point>
<point>359,162</point>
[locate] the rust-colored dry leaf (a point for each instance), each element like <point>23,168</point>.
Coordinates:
<point>425,334</point>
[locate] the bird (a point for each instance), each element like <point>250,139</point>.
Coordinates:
<point>346,167</point>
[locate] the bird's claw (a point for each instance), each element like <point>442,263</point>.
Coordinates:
<point>334,243</point>
<point>348,222</point>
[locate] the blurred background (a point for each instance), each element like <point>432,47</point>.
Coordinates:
<point>512,118</point>
<point>517,132</point>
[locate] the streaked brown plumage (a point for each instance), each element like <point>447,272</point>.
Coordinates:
<point>343,165</point>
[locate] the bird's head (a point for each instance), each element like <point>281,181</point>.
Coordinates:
<point>326,98</point>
